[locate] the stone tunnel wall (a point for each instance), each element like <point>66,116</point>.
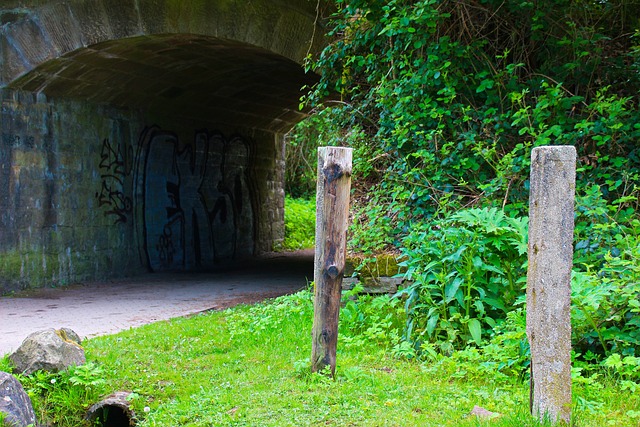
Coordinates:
<point>91,192</point>
<point>145,135</point>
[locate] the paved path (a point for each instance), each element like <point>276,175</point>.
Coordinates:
<point>109,307</point>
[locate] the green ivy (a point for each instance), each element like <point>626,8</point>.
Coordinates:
<point>447,99</point>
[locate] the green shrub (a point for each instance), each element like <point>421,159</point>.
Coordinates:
<point>299,223</point>
<point>443,102</point>
<point>466,272</point>
<point>606,305</point>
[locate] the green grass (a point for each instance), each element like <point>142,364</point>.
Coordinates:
<point>299,223</point>
<point>249,366</point>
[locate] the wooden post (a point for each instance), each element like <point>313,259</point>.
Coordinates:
<point>551,211</point>
<point>332,215</point>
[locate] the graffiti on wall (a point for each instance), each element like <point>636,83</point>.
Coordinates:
<point>113,171</point>
<point>116,163</point>
<point>195,204</point>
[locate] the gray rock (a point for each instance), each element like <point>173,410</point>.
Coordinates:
<point>480,412</point>
<point>15,403</point>
<point>50,350</point>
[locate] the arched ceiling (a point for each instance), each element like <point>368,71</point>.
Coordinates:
<point>183,75</point>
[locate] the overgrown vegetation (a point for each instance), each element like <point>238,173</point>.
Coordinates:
<point>467,272</point>
<point>249,366</point>
<point>62,398</point>
<point>299,223</point>
<point>442,103</point>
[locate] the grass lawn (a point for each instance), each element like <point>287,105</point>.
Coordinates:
<point>248,366</point>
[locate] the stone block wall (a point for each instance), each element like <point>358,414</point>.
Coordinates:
<point>90,192</point>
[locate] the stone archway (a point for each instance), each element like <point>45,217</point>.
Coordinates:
<point>139,135</point>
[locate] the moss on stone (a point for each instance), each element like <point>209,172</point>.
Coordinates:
<point>10,264</point>
<point>27,270</point>
<point>381,265</point>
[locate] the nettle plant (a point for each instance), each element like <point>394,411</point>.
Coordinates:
<point>466,273</point>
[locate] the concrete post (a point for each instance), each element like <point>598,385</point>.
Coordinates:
<point>551,212</point>
<point>332,217</point>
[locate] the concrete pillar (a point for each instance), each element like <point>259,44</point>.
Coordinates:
<point>551,212</point>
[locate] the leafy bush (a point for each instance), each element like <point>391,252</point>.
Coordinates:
<point>466,273</point>
<point>443,102</point>
<point>299,223</point>
<point>606,278</point>
<point>606,305</point>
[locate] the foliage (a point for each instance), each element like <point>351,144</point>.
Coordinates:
<point>62,398</point>
<point>465,274</point>
<point>606,304</point>
<point>604,227</point>
<point>507,353</point>
<point>323,128</point>
<point>299,223</point>
<point>448,98</point>
<point>369,322</point>
<point>606,279</point>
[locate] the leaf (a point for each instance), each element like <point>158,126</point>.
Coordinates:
<point>475,328</point>
<point>460,297</point>
<point>479,306</point>
<point>451,288</point>
<point>495,303</point>
<point>484,85</point>
<point>432,323</point>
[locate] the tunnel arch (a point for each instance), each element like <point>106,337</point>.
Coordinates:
<point>145,135</point>
<point>49,29</point>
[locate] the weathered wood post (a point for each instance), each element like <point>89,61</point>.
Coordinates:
<point>551,211</point>
<point>332,215</point>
